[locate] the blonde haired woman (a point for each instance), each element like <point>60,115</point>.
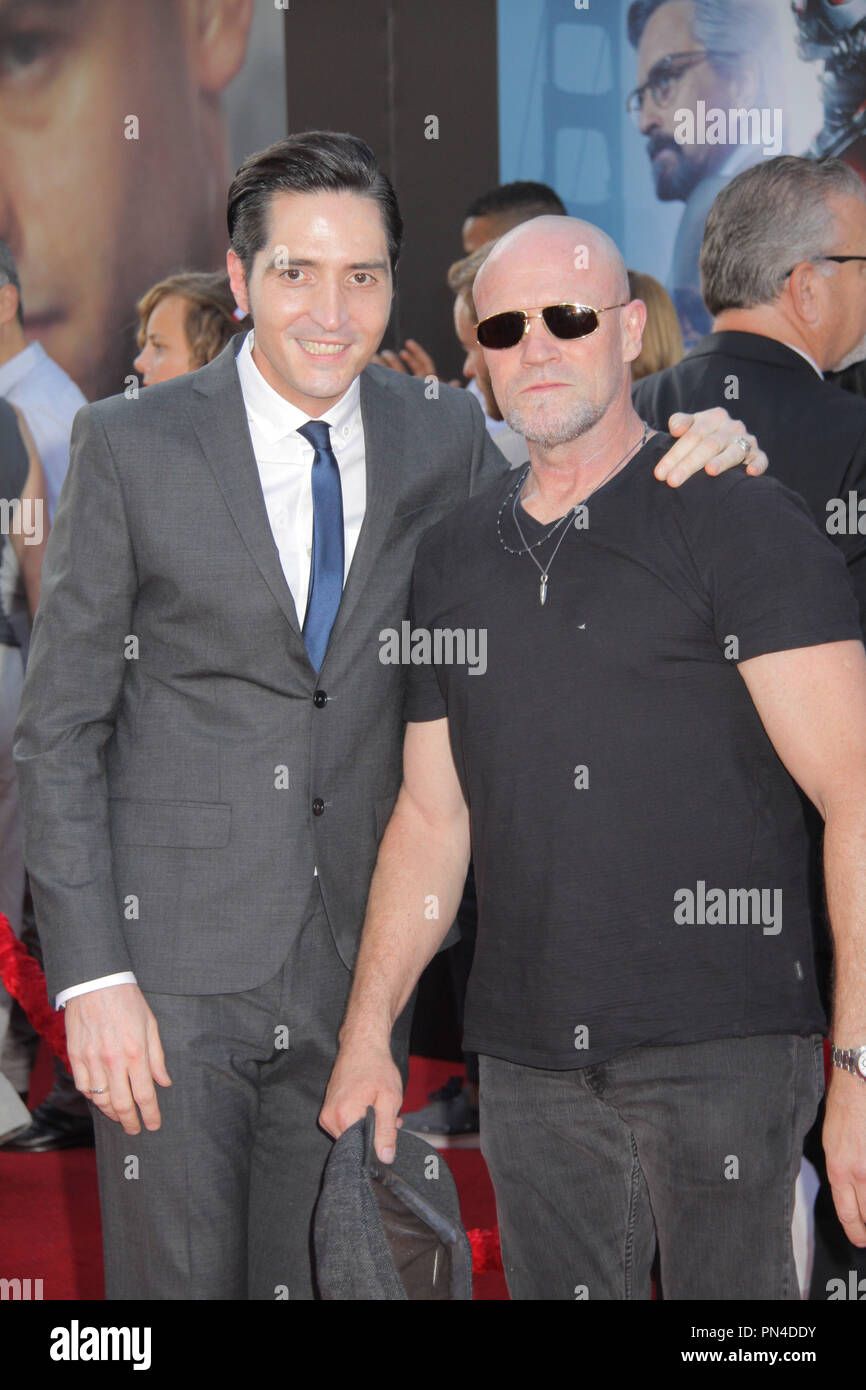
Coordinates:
<point>662,337</point>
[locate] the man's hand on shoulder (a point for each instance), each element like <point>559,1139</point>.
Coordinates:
<point>711,440</point>
<point>116,1054</point>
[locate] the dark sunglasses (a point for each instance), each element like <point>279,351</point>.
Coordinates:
<point>562,320</point>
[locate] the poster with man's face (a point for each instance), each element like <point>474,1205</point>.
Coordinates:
<point>121,124</point>
<point>638,111</point>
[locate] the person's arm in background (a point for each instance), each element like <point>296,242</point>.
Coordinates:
<point>411,359</point>
<point>71,692</point>
<point>30,551</point>
<point>424,851</point>
<point>812,703</point>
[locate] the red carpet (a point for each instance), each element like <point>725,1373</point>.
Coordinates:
<point>49,1205</point>
<point>477,1204</point>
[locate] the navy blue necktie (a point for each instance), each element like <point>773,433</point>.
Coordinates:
<point>327,563</point>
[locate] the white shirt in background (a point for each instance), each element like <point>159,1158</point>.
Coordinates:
<point>49,401</point>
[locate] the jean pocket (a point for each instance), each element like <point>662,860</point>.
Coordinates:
<point>817,1043</point>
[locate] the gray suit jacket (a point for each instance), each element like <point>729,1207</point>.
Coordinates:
<point>169,697</point>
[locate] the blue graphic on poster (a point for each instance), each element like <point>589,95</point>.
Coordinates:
<point>638,111</point>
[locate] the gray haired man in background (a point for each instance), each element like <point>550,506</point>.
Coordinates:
<point>783,266</point>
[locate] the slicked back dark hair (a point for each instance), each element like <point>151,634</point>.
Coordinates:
<point>511,197</point>
<point>313,161</point>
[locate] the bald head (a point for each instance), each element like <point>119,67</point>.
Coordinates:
<point>553,390</point>
<point>552,260</point>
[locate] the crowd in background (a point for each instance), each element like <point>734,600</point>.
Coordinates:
<point>187,319</point>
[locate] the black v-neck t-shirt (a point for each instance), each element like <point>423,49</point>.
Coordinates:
<point>625,800</point>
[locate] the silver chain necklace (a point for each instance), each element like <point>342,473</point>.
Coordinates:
<point>544,570</point>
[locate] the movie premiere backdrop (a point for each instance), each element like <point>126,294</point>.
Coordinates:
<point>121,125</point>
<point>121,128</point>
<point>720,84</point>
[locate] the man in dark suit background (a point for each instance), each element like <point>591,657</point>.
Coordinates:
<point>209,743</point>
<point>783,266</point>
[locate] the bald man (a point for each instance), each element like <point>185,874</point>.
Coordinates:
<point>613,689</point>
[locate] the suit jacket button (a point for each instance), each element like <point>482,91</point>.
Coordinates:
<point>318,806</point>
<point>320,699</point>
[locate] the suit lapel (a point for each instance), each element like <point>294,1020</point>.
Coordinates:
<point>382,416</point>
<point>220,422</point>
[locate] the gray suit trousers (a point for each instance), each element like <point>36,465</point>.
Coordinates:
<point>217,1203</point>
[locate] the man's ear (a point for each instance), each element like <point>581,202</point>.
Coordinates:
<point>216,33</point>
<point>238,280</point>
<point>802,289</point>
<point>633,325</point>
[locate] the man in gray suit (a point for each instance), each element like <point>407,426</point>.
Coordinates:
<point>209,742</point>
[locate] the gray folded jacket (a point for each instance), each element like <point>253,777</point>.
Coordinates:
<point>389,1231</point>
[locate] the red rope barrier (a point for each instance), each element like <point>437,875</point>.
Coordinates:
<point>486,1251</point>
<point>25,980</point>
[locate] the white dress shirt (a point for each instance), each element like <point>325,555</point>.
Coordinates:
<point>49,401</point>
<point>285,463</point>
<point>513,446</point>
<point>805,356</point>
<point>493,427</point>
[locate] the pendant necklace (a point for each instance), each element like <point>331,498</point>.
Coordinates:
<point>544,570</point>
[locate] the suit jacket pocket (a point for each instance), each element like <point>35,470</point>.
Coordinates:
<point>172,824</point>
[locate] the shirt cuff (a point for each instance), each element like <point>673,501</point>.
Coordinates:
<point>124,977</point>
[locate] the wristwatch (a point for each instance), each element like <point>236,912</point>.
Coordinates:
<point>850,1059</point>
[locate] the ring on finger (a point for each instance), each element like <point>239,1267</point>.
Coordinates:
<point>744,445</point>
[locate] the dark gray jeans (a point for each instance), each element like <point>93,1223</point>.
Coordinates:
<point>696,1147</point>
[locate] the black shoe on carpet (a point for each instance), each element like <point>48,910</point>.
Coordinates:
<point>50,1129</point>
<point>450,1111</point>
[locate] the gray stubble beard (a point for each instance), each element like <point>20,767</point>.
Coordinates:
<point>575,422</point>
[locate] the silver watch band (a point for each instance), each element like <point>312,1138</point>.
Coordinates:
<point>849,1059</point>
